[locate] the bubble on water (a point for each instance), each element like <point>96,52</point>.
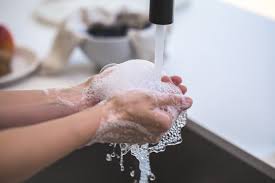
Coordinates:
<point>113,155</point>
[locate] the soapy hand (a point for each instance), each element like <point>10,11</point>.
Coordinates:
<point>76,99</point>
<point>136,117</point>
<point>176,80</point>
<point>89,102</point>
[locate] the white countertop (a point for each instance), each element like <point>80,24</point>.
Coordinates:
<point>226,56</point>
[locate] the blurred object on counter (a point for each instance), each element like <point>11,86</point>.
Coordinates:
<point>55,12</point>
<point>15,62</point>
<point>104,36</point>
<point>122,36</point>
<point>66,40</point>
<point>264,8</point>
<point>23,64</point>
<point>6,50</point>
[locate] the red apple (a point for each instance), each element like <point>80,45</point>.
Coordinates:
<point>6,41</point>
<point>6,50</point>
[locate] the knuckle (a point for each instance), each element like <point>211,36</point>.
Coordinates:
<point>154,139</point>
<point>147,96</point>
<point>164,127</point>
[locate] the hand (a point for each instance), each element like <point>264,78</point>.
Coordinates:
<point>176,80</point>
<point>76,99</point>
<point>135,117</point>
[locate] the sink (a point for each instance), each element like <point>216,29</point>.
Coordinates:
<point>202,157</point>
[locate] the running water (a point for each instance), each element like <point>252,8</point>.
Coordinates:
<point>160,47</point>
<point>143,76</point>
<point>142,152</point>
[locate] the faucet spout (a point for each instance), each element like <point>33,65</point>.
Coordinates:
<point>161,12</point>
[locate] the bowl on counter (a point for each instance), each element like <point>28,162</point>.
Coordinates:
<point>103,51</point>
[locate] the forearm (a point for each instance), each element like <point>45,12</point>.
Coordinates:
<point>26,150</point>
<point>32,107</point>
<point>20,108</point>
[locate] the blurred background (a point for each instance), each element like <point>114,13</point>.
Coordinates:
<point>224,49</point>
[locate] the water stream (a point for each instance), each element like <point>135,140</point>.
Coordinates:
<point>172,137</point>
<point>160,47</point>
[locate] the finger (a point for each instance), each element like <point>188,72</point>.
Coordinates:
<point>162,120</point>
<point>166,79</point>
<point>168,99</point>
<point>176,80</point>
<point>174,100</point>
<point>182,88</point>
<point>187,103</point>
<point>156,120</point>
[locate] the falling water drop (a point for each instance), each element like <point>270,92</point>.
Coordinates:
<point>108,157</point>
<point>132,173</point>
<point>152,177</point>
<point>121,163</point>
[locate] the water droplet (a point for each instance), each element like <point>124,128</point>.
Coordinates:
<point>142,152</point>
<point>152,177</point>
<point>132,173</point>
<point>108,157</point>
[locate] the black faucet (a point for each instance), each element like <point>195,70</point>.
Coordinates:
<point>161,12</point>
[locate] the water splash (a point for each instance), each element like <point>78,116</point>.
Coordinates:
<point>172,137</point>
<point>142,152</point>
<point>132,173</point>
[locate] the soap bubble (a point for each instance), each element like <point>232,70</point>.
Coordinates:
<point>142,75</point>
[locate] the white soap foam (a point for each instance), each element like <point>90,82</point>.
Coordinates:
<point>135,75</point>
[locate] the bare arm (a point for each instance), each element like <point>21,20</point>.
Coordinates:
<point>26,150</point>
<point>20,108</point>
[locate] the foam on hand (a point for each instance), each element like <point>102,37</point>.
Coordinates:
<point>133,75</point>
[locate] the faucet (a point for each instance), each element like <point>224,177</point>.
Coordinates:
<point>161,12</point>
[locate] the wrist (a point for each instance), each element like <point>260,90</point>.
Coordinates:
<point>75,98</point>
<point>89,99</point>
<point>69,99</point>
<point>91,121</point>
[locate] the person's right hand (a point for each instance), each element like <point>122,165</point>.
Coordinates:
<point>135,117</point>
